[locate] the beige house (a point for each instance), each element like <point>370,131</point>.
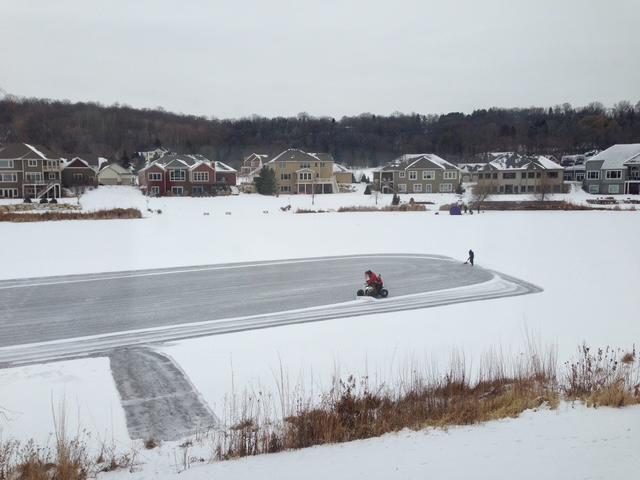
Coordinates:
<point>343,175</point>
<point>297,171</point>
<point>417,173</point>
<point>115,174</point>
<point>514,173</point>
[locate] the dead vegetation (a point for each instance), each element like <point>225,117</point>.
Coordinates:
<point>48,216</point>
<point>405,207</point>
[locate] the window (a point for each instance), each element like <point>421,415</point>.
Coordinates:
<point>32,163</point>
<point>417,187</point>
<point>593,175</point>
<point>450,175</point>
<point>154,176</point>
<point>615,188</point>
<point>538,174</point>
<point>580,176</point>
<point>198,189</point>
<point>495,176</point>
<point>530,189</point>
<point>8,177</point>
<point>613,175</point>
<point>428,174</point>
<point>155,191</point>
<point>594,188</point>
<point>305,165</point>
<point>6,163</point>
<point>178,191</point>
<point>446,187</point>
<point>78,177</point>
<point>52,176</point>
<point>427,188</point>
<point>285,188</point>
<point>531,175</point>
<point>509,175</point>
<point>304,176</point>
<point>402,187</point>
<point>413,175</point>
<point>33,177</point>
<point>178,175</point>
<point>552,174</point>
<point>283,165</point>
<point>8,192</point>
<point>402,174</point>
<point>200,177</point>
<point>285,176</point>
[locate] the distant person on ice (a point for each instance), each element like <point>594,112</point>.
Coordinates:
<point>470,259</point>
<point>373,280</point>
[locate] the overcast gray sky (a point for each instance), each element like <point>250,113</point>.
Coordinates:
<point>281,57</point>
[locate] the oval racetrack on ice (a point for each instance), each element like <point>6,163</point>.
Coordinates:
<point>51,317</point>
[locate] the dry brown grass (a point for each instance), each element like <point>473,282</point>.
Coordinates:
<point>604,377</point>
<point>354,409</point>
<point>111,214</point>
<point>405,207</point>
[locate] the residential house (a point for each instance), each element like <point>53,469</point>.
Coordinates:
<point>27,171</point>
<point>615,170</point>
<point>514,173</point>
<point>226,176</point>
<point>417,173</point>
<point>81,171</point>
<point>469,171</point>
<point>343,175</point>
<point>182,175</point>
<point>574,173</point>
<point>577,159</point>
<point>116,174</point>
<point>253,163</point>
<point>297,171</point>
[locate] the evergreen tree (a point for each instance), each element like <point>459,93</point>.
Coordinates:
<point>367,190</point>
<point>265,182</point>
<point>396,199</point>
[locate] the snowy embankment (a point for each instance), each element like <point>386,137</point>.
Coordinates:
<point>570,442</point>
<point>583,260</point>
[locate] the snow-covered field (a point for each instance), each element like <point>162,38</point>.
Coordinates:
<point>585,261</point>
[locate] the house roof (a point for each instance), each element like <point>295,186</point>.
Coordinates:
<point>514,161</point>
<point>92,161</point>
<point>15,151</point>
<point>179,160</point>
<point>470,167</point>
<point>223,167</point>
<point>419,160</point>
<point>618,156</point>
<point>338,168</point>
<point>119,169</point>
<point>297,155</point>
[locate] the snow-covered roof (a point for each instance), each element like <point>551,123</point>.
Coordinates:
<point>618,156</point>
<point>189,161</point>
<point>419,160</point>
<point>337,168</point>
<point>223,167</point>
<point>470,167</point>
<point>16,151</point>
<point>297,155</point>
<point>514,161</point>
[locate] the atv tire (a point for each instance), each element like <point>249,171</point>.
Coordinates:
<point>360,293</point>
<point>383,293</point>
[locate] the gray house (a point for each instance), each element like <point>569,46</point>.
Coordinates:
<point>417,173</point>
<point>615,170</point>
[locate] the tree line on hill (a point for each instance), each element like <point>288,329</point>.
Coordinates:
<point>118,131</point>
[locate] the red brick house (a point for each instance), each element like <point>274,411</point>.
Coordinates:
<point>185,175</point>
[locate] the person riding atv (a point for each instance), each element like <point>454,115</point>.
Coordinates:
<point>374,285</point>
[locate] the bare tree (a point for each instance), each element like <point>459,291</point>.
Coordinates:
<point>481,192</point>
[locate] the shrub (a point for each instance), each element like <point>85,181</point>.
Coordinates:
<point>115,213</point>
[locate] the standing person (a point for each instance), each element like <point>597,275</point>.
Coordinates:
<point>470,259</point>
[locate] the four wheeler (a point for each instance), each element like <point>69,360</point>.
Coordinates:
<point>371,291</point>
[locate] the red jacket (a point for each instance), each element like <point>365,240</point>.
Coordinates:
<point>373,280</point>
